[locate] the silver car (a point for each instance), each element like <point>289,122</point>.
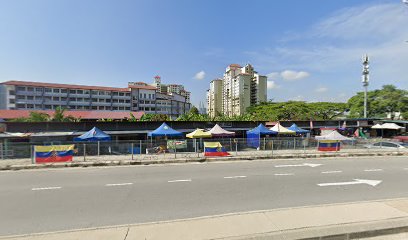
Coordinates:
<point>393,145</point>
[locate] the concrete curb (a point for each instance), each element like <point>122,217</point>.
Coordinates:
<point>194,160</point>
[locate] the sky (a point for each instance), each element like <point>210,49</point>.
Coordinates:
<point>310,50</point>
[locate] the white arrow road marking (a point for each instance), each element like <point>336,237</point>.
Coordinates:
<point>180,180</point>
<point>117,184</point>
<point>235,177</point>
<point>45,188</point>
<point>283,174</point>
<point>300,165</point>
<point>328,172</point>
<point>372,170</point>
<point>356,181</point>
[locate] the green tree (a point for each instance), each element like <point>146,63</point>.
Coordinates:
<point>154,117</point>
<point>59,116</point>
<point>389,99</point>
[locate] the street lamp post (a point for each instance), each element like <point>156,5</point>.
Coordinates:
<point>365,80</point>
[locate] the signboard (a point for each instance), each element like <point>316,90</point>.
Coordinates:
<point>176,144</point>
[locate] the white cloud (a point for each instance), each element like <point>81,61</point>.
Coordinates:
<point>273,75</point>
<point>290,75</point>
<point>272,85</point>
<point>200,75</point>
<point>321,89</point>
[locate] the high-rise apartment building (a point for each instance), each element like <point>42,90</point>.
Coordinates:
<point>241,87</point>
<point>137,96</point>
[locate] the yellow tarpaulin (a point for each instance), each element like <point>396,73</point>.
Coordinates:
<point>212,144</point>
<point>199,133</point>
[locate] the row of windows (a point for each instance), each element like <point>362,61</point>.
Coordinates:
<point>64,99</point>
<point>50,107</point>
<point>71,91</point>
<point>147,95</point>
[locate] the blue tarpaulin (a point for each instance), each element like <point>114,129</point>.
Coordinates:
<point>164,130</point>
<point>254,135</point>
<point>93,135</point>
<point>297,129</point>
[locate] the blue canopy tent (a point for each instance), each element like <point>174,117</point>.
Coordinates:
<point>164,130</point>
<point>297,129</point>
<point>93,135</point>
<point>254,135</point>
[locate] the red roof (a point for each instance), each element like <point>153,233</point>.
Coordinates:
<point>11,114</point>
<point>235,65</point>
<point>58,85</point>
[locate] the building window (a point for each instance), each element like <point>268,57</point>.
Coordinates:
<point>140,95</point>
<point>20,105</point>
<point>127,101</point>
<point>72,91</point>
<point>108,100</point>
<point>12,101</point>
<point>30,97</point>
<point>55,90</point>
<point>38,89</point>
<point>38,98</point>
<point>94,108</point>
<point>55,98</point>
<point>20,97</point>
<point>94,92</point>
<point>86,92</point>
<point>37,106</point>
<point>115,108</point>
<point>64,90</point>
<point>48,90</point>
<point>80,92</point>
<point>145,95</point>
<point>12,92</point>
<point>21,88</point>
<point>30,106</point>
<point>64,99</point>
<point>127,94</point>
<point>108,108</point>
<point>72,99</point>
<point>127,108</point>
<point>30,89</point>
<point>94,100</point>
<point>115,93</point>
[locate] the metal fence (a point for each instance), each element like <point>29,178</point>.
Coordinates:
<point>157,148</point>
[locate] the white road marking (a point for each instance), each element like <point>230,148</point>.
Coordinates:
<point>356,181</point>
<point>45,188</point>
<point>180,180</point>
<point>117,184</point>
<point>373,170</point>
<point>328,172</point>
<point>300,165</point>
<point>283,174</point>
<point>236,177</point>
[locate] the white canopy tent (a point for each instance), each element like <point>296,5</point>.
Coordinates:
<point>218,131</point>
<point>281,129</point>
<point>333,136</point>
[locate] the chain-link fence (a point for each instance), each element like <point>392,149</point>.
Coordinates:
<point>190,148</point>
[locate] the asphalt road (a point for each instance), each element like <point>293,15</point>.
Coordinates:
<point>61,199</point>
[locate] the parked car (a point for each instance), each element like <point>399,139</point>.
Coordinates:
<point>402,138</point>
<point>393,145</point>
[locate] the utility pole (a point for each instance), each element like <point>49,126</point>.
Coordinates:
<point>365,80</point>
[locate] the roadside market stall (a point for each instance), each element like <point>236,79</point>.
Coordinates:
<point>254,135</point>
<point>331,141</point>
<point>198,133</point>
<point>94,135</point>
<point>281,130</point>
<point>218,131</point>
<point>166,131</point>
<point>297,129</point>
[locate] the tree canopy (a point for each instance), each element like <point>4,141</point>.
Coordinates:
<point>389,99</point>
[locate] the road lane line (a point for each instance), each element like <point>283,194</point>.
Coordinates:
<point>45,188</point>
<point>235,177</point>
<point>179,180</point>
<point>284,174</point>
<point>117,184</point>
<point>328,172</point>
<point>373,170</point>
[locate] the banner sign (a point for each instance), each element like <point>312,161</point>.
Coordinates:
<point>53,153</point>
<point>214,149</point>
<point>176,144</point>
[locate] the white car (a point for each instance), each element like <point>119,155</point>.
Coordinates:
<point>393,145</point>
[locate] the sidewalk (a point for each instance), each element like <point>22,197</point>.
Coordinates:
<point>387,219</point>
<point>116,160</point>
